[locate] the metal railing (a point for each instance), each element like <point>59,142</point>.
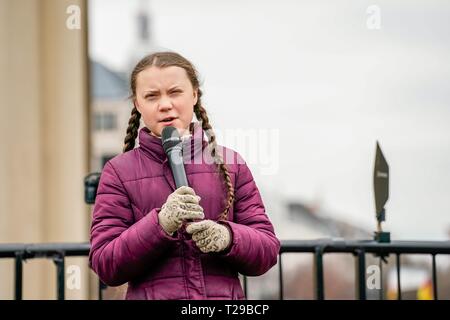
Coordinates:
<point>359,249</point>
<point>54,251</point>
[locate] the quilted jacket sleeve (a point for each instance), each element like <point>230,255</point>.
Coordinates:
<point>255,247</point>
<point>122,249</point>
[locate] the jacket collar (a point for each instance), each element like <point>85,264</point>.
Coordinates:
<point>152,145</point>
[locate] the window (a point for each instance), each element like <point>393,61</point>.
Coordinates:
<point>106,121</point>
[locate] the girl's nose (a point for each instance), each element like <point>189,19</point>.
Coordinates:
<point>165,104</point>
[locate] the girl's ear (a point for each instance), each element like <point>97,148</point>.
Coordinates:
<point>195,96</point>
<point>136,105</point>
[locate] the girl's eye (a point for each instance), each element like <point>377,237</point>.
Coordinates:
<point>150,96</point>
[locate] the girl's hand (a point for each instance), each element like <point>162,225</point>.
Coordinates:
<point>181,205</point>
<point>209,236</point>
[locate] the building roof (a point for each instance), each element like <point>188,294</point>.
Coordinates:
<point>106,83</point>
<point>320,220</point>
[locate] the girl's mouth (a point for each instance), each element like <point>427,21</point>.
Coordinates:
<point>168,121</point>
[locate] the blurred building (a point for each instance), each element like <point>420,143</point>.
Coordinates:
<point>109,113</point>
<point>110,91</point>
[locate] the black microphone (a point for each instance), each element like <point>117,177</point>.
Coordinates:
<point>172,145</point>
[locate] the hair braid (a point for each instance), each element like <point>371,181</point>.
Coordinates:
<point>132,130</point>
<point>201,114</point>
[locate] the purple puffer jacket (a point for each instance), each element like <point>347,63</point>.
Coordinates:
<point>128,244</point>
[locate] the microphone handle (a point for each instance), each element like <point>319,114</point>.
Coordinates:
<point>179,174</point>
<point>177,166</point>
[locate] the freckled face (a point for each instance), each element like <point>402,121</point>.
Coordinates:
<point>165,94</point>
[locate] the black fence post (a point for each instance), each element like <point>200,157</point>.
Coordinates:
<point>101,286</point>
<point>58,259</point>
<point>360,270</point>
<point>318,267</point>
<point>435,291</point>
<point>399,287</point>
<point>280,275</point>
<point>18,275</point>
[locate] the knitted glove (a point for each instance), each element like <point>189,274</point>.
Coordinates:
<point>209,236</point>
<point>181,205</point>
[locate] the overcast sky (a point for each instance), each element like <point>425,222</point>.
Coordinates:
<point>313,74</point>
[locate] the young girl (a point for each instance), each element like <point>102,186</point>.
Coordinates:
<point>185,243</point>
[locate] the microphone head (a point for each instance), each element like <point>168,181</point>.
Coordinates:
<point>170,138</point>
